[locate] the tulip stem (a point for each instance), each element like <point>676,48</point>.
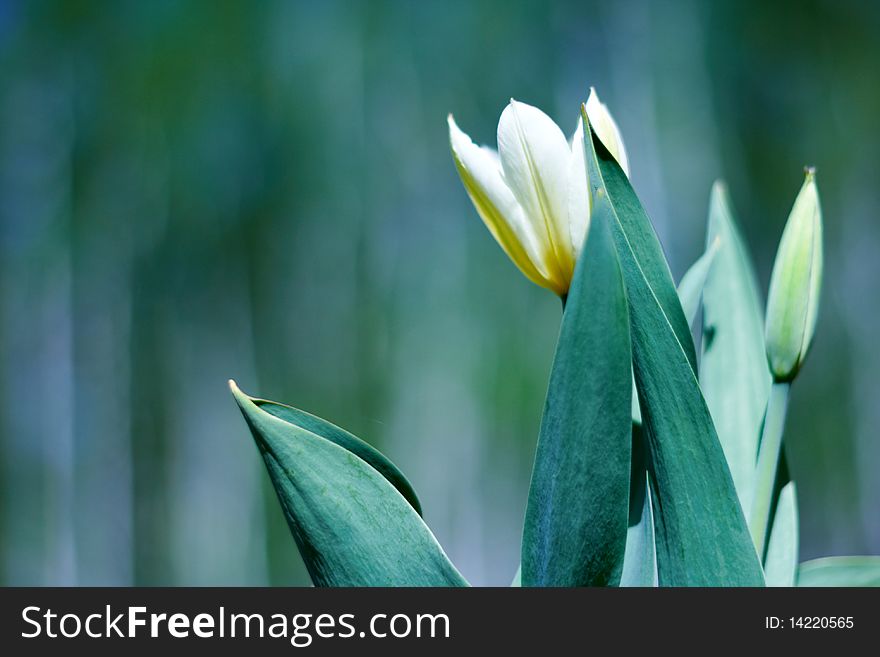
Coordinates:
<point>768,463</point>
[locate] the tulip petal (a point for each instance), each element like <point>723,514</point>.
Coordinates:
<point>578,191</point>
<point>480,171</point>
<point>534,158</point>
<point>607,130</point>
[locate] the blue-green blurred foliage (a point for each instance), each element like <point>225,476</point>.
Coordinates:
<point>192,191</point>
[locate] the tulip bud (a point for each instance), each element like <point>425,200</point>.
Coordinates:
<point>793,300</point>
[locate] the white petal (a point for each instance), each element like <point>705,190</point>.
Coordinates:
<point>534,157</point>
<point>578,191</point>
<point>480,171</point>
<point>606,128</point>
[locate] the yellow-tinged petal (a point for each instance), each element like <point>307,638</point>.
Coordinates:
<point>480,171</point>
<point>606,129</point>
<point>535,160</point>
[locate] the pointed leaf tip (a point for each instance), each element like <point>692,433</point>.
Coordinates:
<point>323,429</point>
<point>352,526</point>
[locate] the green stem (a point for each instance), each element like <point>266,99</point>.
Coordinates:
<point>768,463</point>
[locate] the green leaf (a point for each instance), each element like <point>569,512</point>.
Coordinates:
<point>780,567</point>
<point>576,517</point>
<point>840,571</point>
<point>640,560</point>
<point>780,564</point>
<point>770,465</point>
<point>690,287</point>
<point>352,526</point>
<point>733,370</point>
<point>635,411</point>
<point>347,441</point>
<point>701,534</point>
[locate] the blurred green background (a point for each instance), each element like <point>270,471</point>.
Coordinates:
<point>192,191</point>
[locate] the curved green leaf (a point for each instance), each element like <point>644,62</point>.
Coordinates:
<point>733,370</point>
<point>352,527</point>
<point>347,441</point>
<point>690,287</point>
<point>640,559</point>
<point>576,517</point>
<point>639,249</point>
<point>701,533</point>
<point>840,571</point>
<point>780,565</point>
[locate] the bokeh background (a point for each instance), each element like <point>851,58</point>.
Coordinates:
<point>193,191</point>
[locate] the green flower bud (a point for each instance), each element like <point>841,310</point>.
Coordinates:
<point>793,301</point>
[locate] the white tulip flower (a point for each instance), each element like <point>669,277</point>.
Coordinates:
<point>533,194</point>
